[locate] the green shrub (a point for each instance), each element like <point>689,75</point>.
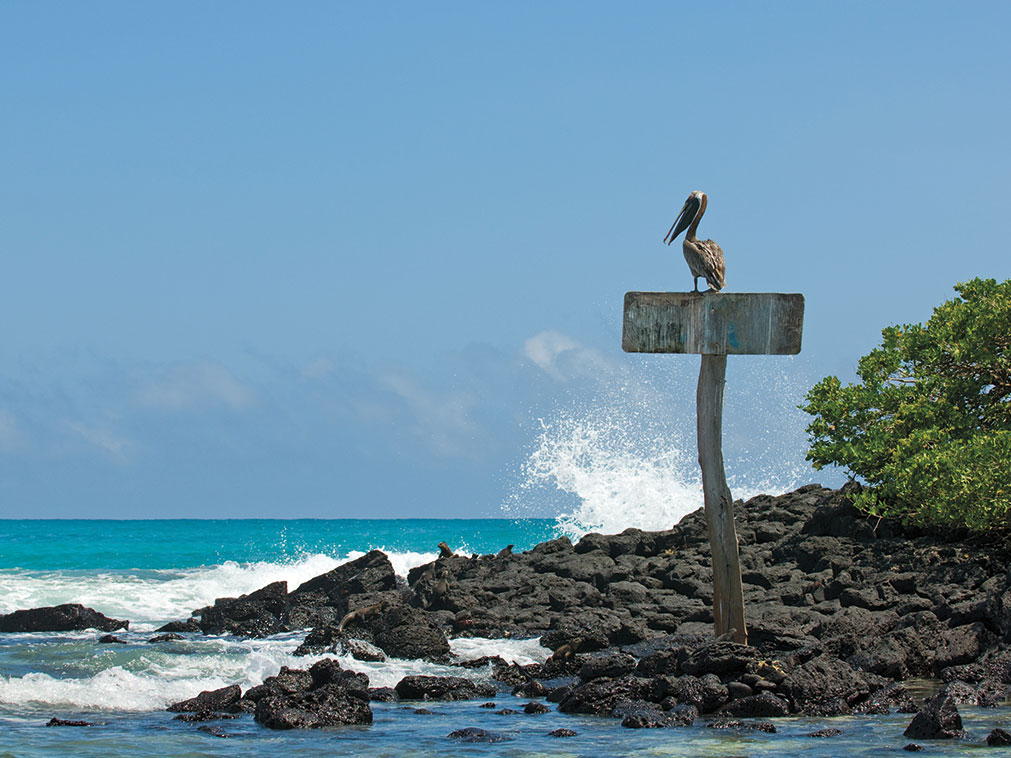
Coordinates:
<point>928,428</point>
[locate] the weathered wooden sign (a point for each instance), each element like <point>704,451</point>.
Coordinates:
<point>715,324</point>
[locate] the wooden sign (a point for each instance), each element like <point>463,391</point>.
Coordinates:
<point>713,323</point>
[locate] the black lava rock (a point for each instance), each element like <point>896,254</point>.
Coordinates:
<point>70,617</point>
<point>473,734</point>
<point>441,688</point>
<point>938,719</point>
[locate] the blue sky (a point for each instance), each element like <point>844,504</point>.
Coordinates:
<point>337,259</point>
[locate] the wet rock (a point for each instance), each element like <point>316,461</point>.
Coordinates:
<point>361,650</point>
<point>912,747</point>
<point>938,719</point>
<point>325,706</point>
<point>562,733</point>
<point>742,726</point>
<point>204,715</point>
<point>765,705</point>
<point>189,625</point>
<point>473,734</point>
<point>383,694</point>
<point>961,645</point>
<point>643,715</point>
<point>324,696</point>
<point>209,700</point>
<point>67,722</point>
<point>826,686</point>
<point>640,714</point>
<point>287,681</point>
<point>257,614</point>
<point>371,574</point>
<point>401,631</point>
<point>882,700</point>
<point>214,730</point>
<point>322,600</point>
<point>536,708</point>
<point>998,738</point>
<point>70,617</point>
<point>441,688</point>
<point>507,712</point>
<point>533,688</point>
<point>738,690</point>
<point>826,732</point>
<point>169,637</point>
<point>600,696</point>
<point>611,665</point>
<point>706,693</point>
<point>110,639</point>
<point>720,658</point>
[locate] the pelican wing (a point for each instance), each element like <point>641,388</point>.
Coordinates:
<point>713,264</point>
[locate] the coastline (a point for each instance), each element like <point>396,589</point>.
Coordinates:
<point>846,617</point>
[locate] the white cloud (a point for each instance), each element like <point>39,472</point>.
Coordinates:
<point>562,357</point>
<point>104,439</point>
<point>443,421</point>
<point>194,385</point>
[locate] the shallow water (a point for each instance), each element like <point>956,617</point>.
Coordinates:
<point>397,731</point>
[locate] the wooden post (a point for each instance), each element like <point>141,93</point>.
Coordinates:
<point>715,325</point>
<point>728,594</point>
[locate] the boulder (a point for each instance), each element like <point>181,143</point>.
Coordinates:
<point>600,697</point>
<point>223,699</point>
<point>998,738</point>
<point>258,614</point>
<point>473,734</point>
<point>441,688</point>
<point>324,696</point>
<point>67,722</point>
<point>327,598</point>
<point>401,631</point>
<point>826,686</point>
<point>70,617</point>
<point>189,625</point>
<point>763,705</point>
<point>614,664</point>
<point>938,719</point>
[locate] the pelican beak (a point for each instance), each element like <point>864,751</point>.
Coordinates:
<point>688,212</point>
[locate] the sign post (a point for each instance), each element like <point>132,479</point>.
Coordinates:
<point>715,325</point>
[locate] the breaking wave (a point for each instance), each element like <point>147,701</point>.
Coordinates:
<point>628,457</point>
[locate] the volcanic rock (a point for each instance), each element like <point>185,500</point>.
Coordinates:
<point>70,617</point>
<point>222,699</point>
<point>938,719</point>
<point>324,696</point>
<point>473,734</point>
<point>67,722</point>
<point>441,688</point>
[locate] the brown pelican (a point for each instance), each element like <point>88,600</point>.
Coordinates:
<point>705,257</point>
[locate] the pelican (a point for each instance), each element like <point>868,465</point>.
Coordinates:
<point>705,257</point>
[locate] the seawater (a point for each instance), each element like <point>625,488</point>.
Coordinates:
<point>151,572</point>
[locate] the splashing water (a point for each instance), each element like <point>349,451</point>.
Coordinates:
<point>628,458</point>
<point>622,478</point>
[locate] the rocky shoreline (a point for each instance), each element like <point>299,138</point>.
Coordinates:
<point>841,609</point>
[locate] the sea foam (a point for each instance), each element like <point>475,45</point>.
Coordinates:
<point>149,598</point>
